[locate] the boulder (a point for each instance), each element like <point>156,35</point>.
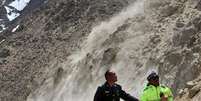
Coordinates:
<point>4,53</point>
<point>190,84</point>
<point>198,7</point>
<point>109,56</point>
<point>193,91</point>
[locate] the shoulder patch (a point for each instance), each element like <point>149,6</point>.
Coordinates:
<point>107,92</point>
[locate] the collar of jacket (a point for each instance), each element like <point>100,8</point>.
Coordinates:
<point>107,84</point>
<point>152,85</point>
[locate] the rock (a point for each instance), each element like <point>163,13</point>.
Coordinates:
<point>109,56</point>
<point>4,53</point>
<point>2,61</point>
<point>58,75</point>
<point>1,28</point>
<point>1,38</point>
<point>198,80</point>
<point>168,10</point>
<point>182,92</point>
<point>190,84</point>
<point>155,39</point>
<point>2,12</point>
<point>184,37</point>
<point>187,33</point>
<point>194,91</point>
<point>155,4</point>
<point>179,24</point>
<point>18,28</point>
<point>198,7</point>
<point>197,23</point>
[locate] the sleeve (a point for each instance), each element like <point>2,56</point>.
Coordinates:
<point>98,95</point>
<point>126,96</point>
<point>170,97</point>
<point>143,97</point>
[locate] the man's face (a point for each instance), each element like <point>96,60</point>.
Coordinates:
<point>112,77</point>
<point>155,81</point>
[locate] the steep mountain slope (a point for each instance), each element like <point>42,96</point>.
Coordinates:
<point>165,38</point>
<point>62,50</point>
<point>46,38</point>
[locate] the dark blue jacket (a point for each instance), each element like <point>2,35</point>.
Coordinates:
<point>114,93</point>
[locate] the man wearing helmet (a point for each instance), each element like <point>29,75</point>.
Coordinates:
<point>154,91</point>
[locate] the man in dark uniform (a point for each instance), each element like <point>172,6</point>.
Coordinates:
<point>110,91</point>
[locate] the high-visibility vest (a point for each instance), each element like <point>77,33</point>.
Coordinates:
<point>152,93</point>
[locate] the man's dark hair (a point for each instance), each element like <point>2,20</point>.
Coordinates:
<point>106,73</point>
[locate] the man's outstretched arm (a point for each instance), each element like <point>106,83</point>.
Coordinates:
<point>127,97</point>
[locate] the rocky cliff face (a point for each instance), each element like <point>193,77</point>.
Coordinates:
<point>180,62</point>
<point>62,49</point>
<point>191,92</point>
<point>46,38</point>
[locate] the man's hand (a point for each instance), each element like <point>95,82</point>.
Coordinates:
<point>163,98</point>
